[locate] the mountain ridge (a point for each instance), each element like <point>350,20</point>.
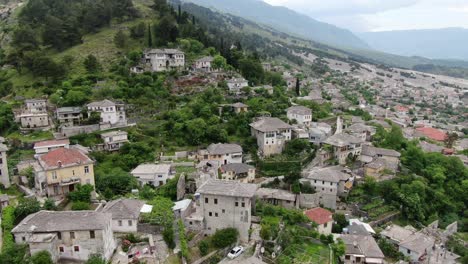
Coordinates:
<point>297,23</point>
<point>444,43</point>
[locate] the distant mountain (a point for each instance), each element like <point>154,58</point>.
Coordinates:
<point>286,20</point>
<point>448,43</point>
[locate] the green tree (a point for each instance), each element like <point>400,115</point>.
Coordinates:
<point>7,118</point>
<point>49,205</point>
<point>26,207</point>
<point>219,62</point>
<point>91,64</point>
<point>96,259</point>
<point>166,31</point>
<point>80,206</point>
<point>138,31</point>
<point>161,214</point>
<point>81,194</point>
<point>121,39</point>
<point>41,257</point>
<point>203,246</point>
<point>224,237</point>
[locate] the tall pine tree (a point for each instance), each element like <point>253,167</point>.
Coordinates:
<point>150,37</point>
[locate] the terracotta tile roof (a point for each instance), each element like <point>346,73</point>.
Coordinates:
<point>319,215</point>
<point>432,133</point>
<point>63,157</point>
<point>52,143</point>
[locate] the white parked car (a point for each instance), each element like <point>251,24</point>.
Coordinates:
<point>235,252</point>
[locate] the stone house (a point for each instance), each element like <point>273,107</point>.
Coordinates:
<point>322,217</point>
<point>114,140</point>
<point>4,174</point>
<point>182,208</point>
<point>301,114</point>
<point>378,159</point>
<point>203,64</point>
<point>112,113</point>
<point>36,105</point>
<point>362,131</point>
<point>125,214</point>
<point>61,170</point>
<point>417,246</point>
<point>160,60</point>
<point>238,172</point>
<point>72,235</point>
<point>34,119</point>
<point>153,174</point>
<point>361,249</point>
<point>240,108</point>
<point>69,116</point>
<point>272,134</point>
<point>335,180</point>
<point>343,146</point>
<point>317,136</point>
<point>224,153</point>
<point>4,201</point>
<point>278,197</point>
<point>235,85</point>
<point>46,146</point>
<point>224,204</point>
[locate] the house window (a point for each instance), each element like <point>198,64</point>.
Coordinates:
<point>190,222</point>
<point>243,204</point>
<point>72,235</point>
<point>216,214</point>
<point>59,235</point>
<point>215,201</point>
<point>408,251</point>
<point>206,200</point>
<point>92,234</point>
<point>237,204</point>
<point>120,222</point>
<point>325,225</point>
<point>130,222</point>
<point>86,169</point>
<point>347,257</point>
<point>23,238</point>
<point>61,249</point>
<point>54,175</point>
<point>223,211</point>
<point>73,172</point>
<point>210,214</point>
<point>76,248</point>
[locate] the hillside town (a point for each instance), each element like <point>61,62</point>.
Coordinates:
<point>196,160</point>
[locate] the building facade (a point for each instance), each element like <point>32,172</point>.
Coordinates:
<point>272,135</point>
<point>301,114</point>
<point>4,175</point>
<point>111,113</point>
<point>224,153</point>
<point>125,214</point>
<point>152,174</point>
<point>114,140</point>
<point>61,170</point>
<point>74,235</point>
<point>161,60</point>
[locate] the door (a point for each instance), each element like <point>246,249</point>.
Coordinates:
<point>71,188</point>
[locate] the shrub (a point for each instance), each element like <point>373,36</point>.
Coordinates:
<point>203,247</point>
<point>80,206</point>
<point>224,237</point>
<point>8,219</point>
<point>168,236</point>
<point>41,257</point>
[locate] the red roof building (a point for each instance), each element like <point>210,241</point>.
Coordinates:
<point>431,133</point>
<point>63,157</point>
<point>319,215</point>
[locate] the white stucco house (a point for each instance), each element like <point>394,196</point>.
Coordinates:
<point>125,214</point>
<point>161,60</point>
<point>272,134</point>
<point>153,174</point>
<point>301,114</point>
<point>111,113</point>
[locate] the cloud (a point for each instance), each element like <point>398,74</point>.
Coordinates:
<point>376,15</point>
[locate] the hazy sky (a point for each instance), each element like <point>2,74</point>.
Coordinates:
<point>379,15</point>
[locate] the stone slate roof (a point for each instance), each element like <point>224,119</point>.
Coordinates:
<point>364,244</point>
<point>417,242</point>
<point>151,168</point>
<point>373,151</point>
<point>48,143</point>
<point>124,208</point>
<point>299,110</point>
<point>267,124</point>
<point>356,229</point>
<point>329,174</point>
<point>53,221</point>
<point>268,193</point>
<point>239,105</point>
<point>114,133</point>
<point>103,103</point>
<point>222,149</point>
<point>227,188</point>
<point>397,233</point>
<point>164,51</point>
<point>63,157</point>
<point>359,128</point>
<point>72,109</point>
<point>341,140</point>
<point>237,168</point>
<point>205,59</point>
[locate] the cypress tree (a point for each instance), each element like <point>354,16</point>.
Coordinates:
<point>298,86</point>
<point>179,15</point>
<point>150,38</point>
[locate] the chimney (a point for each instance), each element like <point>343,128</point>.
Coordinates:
<point>59,164</point>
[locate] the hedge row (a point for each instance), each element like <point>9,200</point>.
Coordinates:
<point>8,220</point>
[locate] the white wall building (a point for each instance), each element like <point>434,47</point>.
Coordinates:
<point>224,153</point>
<point>125,214</point>
<point>4,176</point>
<point>272,134</point>
<point>111,113</point>
<point>164,59</point>
<point>224,204</point>
<point>235,85</point>
<point>44,147</point>
<point>71,235</point>
<point>114,140</point>
<point>153,174</point>
<point>203,64</point>
<point>301,114</point>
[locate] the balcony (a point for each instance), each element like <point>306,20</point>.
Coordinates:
<point>70,181</point>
